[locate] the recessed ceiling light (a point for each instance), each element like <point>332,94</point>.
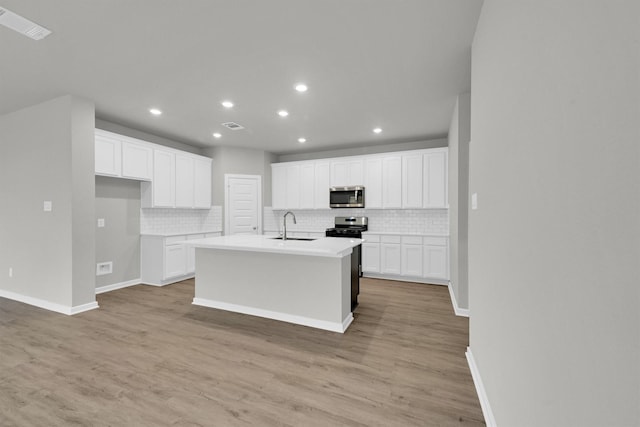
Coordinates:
<point>227,104</point>
<point>301,87</point>
<point>377,130</point>
<point>302,140</point>
<point>217,135</point>
<point>283,113</point>
<point>155,111</point>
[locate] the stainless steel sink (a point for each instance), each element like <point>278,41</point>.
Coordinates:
<point>306,239</point>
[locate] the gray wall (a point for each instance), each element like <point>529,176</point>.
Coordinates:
<point>361,151</point>
<point>554,247</point>
<point>133,133</point>
<point>459,137</point>
<point>118,202</point>
<point>46,153</point>
<point>243,161</point>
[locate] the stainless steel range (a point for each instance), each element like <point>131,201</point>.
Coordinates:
<point>351,227</point>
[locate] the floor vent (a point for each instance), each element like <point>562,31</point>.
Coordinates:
<point>232,126</point>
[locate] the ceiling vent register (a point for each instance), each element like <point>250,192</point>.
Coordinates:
<point>232,126</point>
<point>22,25</point>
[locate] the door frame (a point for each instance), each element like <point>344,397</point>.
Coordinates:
<point>228,176</point>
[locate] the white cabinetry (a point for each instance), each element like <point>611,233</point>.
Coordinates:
<point>278,186</point>
<point>185,181</point>
<point>412,181</point>
<point>322,182</point>
<point>202,190</point>
<point>373,182</point>
<point>307,184</point>
<point>392,182</point>
<point>436,258</point>
<point>108,154</point>
<point>411,256</point>
<point>164,259</point>
<point>293,187</point>
<point>435,179</point>
<point>406,257</point>
<point>137,161</point>
<point>371,254</point>
<point>161,192</point>
<point>347,172</point>
<point>390,255</point>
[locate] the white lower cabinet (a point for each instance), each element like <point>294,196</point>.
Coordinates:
<point>406,257</point>
<point>411,256</point>
<point>164,259</point>
<point>390,255</point>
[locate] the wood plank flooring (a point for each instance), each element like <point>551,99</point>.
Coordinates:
<point>147,357</point>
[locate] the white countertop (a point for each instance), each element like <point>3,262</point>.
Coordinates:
<point>180,234</point>
<point>332,247</point>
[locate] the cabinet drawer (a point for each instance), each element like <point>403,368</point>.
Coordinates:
<point>371,238</point>
<point>411,240</point>
<point>390,239</point>
<point>435,241</point>
<point>174,239</point>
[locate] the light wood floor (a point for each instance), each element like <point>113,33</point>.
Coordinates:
<point>147,357</point>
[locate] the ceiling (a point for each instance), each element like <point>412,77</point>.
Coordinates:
<point>397,65</point>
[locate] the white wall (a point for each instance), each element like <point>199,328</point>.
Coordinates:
<point>459,136</point>
<point>46,153</point>
<point>554,247</point>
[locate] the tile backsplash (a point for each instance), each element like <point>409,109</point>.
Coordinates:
<point>180,220</point>
<point>419,221</point>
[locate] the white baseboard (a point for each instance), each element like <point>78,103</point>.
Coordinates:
<point>482,394</point>
<point>107,288</point>
<point>464,312</point>
<point>399,278</point>
<point>48,305</point>
<point>284,317</point>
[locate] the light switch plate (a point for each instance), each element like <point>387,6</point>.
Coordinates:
<point>100,222</point>
<point>474,201</point>
<point>48,206</point>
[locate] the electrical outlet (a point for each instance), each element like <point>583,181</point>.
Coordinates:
<point>474,201</point>
<point>48,206</point>
<point>100,222</point>
<point>103,268</point>
<point>10,271</point>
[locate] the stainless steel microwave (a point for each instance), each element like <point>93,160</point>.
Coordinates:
<point>346,197</point>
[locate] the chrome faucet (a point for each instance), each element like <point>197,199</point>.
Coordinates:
<point>284,221</point>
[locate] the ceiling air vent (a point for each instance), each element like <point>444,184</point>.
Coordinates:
<point>22,25</point>
<point>232,126</point>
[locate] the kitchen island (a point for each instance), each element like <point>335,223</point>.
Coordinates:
<point>307,282</point>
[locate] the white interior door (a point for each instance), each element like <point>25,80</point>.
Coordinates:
<point>243,204</point>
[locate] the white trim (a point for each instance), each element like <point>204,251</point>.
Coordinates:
<point>284,317</point>
<point>464,312</point>
<point>482,394</point>
<point>258,178</point>
<point>48,305</point>
<point>113,287</point>
<point>84,307</point>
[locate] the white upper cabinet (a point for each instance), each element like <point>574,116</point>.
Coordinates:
<point>435,179</point>
<point>108,154</point>
<point>137,161</point>
<point>401,180</point>
<point>392,182</point>
<point>185,181</point>
<point>373,182</point>
<point>322,182</point>
<point>347,172</point>
<point>278,186</point>
<point>163,188</point>
<point>307,184</point>
<point>202,190</point>
<point>412,181</point>
<point>293,187</point>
